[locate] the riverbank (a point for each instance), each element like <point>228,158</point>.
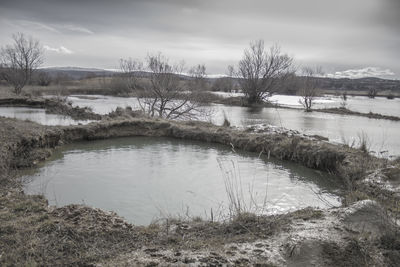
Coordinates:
<point>51,105</point>
<point>357,234</point>
<point>345,111</point>
<point>239,101</point>
<point>384,94</point>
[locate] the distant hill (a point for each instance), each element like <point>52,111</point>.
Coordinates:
<point>76,73</point>
<point>330,84</point>
<point>361,84</point>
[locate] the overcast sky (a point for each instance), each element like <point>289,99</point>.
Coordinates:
<point>348,38</point>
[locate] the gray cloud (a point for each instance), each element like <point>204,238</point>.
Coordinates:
<point>338,35</point>
<point>361,73</point>
<point>59,50</point>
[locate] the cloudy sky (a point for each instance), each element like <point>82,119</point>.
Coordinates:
<point>348,38</point>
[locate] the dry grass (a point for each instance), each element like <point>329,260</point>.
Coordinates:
<point>30,234</point>
<point>351,255</point>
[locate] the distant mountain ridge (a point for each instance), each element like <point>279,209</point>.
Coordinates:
<point>335,84</point>
<point>359,84</point>
<point>76,72</point>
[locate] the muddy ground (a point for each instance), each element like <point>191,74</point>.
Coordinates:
<point>363,232</point>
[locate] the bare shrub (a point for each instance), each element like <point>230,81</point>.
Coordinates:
<point>43,78</point>
<point>198,78</point>
<point>309,87</point>
<point>372,92</point>
<point>343,100</point>
<point>364,142</point>
<point>227,83</point>
<point>223,84</point>
<point>390,96</point>
<point>226,123</point>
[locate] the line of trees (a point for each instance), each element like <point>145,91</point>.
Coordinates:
<point>259,74</point>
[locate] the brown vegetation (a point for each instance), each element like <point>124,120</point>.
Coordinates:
<point>32,233</point>
<point>345,111</point>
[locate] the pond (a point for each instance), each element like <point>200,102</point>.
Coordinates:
<point>143,179</point>
<point>39,115</point>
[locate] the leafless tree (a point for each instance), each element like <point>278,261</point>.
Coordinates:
<point>165,95</point>
<point>19,60</point>
<point>198,78</point>
<point>343,100</point>
<point>309,87</point>
<point>261,71</point>
<point>225,84</point>
<point>131,70</point>
<point>43,78</point>
<point>372,92</point>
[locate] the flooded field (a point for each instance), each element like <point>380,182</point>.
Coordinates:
<point>39,115</point>
<point>380,105</point>
<point>382,135</point>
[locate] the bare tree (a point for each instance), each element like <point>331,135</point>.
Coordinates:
<point>43,78</point>
<point>165,94</point>
<point>343,100</point>
<point>131,70</point>
<point>372,92</point>
<point>198,78</point>
<point>309,86</point>
<point>225,84</point>
<point>19,60</point>
<point>261,71</point>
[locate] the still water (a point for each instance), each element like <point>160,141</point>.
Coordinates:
<point>380,105</point>
<point>39,115</point>
<point>383,135</point>
<point>144,178</point>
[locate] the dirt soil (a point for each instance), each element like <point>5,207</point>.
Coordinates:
<point>360,233</point>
